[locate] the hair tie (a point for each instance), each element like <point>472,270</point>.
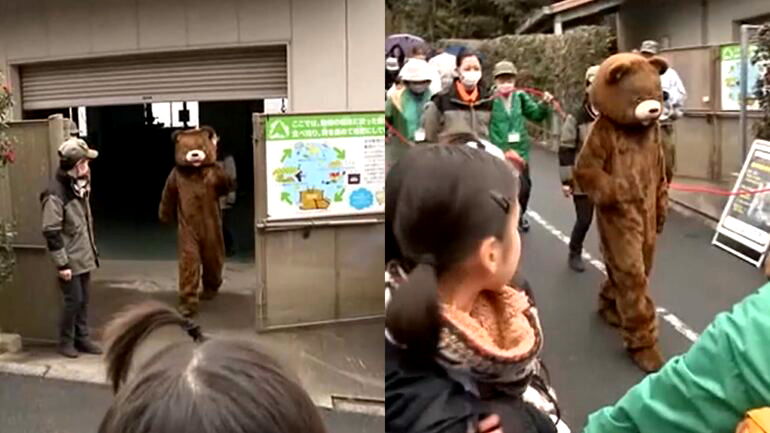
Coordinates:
<point>193,330</point>
<point>501,201</point>
<point>427,259</point>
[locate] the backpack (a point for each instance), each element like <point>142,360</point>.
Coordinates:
<point>755,421</point>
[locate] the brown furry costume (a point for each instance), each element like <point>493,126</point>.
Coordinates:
<point>191,195</point>
<point>622,168</point>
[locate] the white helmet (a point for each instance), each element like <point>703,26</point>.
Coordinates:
<point>416,70</point>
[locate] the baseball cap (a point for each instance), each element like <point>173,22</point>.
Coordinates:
<point>505,67</point>
<point>649,47</point>
<point>75,149</point>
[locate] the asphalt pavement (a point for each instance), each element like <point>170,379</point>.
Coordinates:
<point>588,366</point>
<point>34,405</point>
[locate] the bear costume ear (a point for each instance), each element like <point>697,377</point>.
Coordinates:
<point>617,71</point>
<point>659,63</point>
<point>209,131</point>
<point>175,135</point>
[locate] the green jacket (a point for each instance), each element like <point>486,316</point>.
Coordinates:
<point>709,388</point>
<point>404,112</point>
<point>505,122</point>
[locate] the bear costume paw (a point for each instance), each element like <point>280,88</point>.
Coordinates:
<point>648,359</point>
<point>187,310</point>
<point>610,317</point>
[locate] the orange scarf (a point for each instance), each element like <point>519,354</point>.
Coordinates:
<point>469,98</point>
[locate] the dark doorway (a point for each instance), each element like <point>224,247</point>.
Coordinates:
<point>136,156</point>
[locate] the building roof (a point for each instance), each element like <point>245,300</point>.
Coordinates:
<point>568,9</point>
<point>566,5</point>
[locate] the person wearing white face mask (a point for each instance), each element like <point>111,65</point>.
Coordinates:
<point>508,129</point>
<point>460,107</point>
<point>404,108</point>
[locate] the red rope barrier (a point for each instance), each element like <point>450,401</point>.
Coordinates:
<point>716,191</point>
<point>540,93</point>
<point>400,136</point>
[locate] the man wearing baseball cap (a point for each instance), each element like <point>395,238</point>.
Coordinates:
<point>573,134</point>
<point>674,95</point>
<point>68,230</point>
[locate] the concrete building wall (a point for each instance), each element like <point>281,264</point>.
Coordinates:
<point>342,39</point>
<point>658,19</point>
<point>685,22</point>
<point>723,15</point>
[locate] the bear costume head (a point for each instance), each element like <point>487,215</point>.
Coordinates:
<point>627,89</point>
<point>194,148</point>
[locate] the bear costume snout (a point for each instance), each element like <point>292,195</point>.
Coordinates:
<point>648,111</point>
<point>195,156</point>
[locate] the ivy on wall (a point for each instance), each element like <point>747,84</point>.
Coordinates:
<point>762,56</point>
<point>7,156</point>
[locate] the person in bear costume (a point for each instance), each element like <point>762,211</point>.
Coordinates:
<point>622,169</point>
<point>191,197</point>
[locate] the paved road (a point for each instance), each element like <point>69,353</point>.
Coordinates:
<point>588,366</point>
<point>33,405</point>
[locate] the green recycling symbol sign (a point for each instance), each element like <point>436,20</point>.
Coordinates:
<point>278,130</point>
<point>325,126</point>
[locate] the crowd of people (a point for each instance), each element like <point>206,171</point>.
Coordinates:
<point>463,336</point>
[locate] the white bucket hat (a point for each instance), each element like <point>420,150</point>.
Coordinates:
<point>416,70</point>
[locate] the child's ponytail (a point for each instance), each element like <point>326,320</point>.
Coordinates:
<point>131,327</point>
<point>412,317</point>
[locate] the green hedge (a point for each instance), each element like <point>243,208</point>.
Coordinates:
<point>556,63</point>
<point>762,39</point>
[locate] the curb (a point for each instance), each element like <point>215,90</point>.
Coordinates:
<point>45,372</point>
<point>48,372</point>
<point>689,210</point>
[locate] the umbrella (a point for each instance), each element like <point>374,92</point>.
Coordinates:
<point>403,41</point>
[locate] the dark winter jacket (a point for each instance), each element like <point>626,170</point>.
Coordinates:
<point>573,134</point>
<point>447,114</point>
<point>68,226</point>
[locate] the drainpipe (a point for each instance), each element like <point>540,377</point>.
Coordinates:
<point>557,29</point>
<point>704,22</point>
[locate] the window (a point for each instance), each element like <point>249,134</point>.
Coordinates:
<point>170,114</point>
<point>758,20</point>
<point>274,106</point>
<point>82,122</point>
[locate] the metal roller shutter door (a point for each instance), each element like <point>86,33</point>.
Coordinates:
<point>216,75</point>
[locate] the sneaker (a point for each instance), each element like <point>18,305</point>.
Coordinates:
<point>68,350</point>
<point>89,347</point>
<point>576,263</point>
<point>524,224</point>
